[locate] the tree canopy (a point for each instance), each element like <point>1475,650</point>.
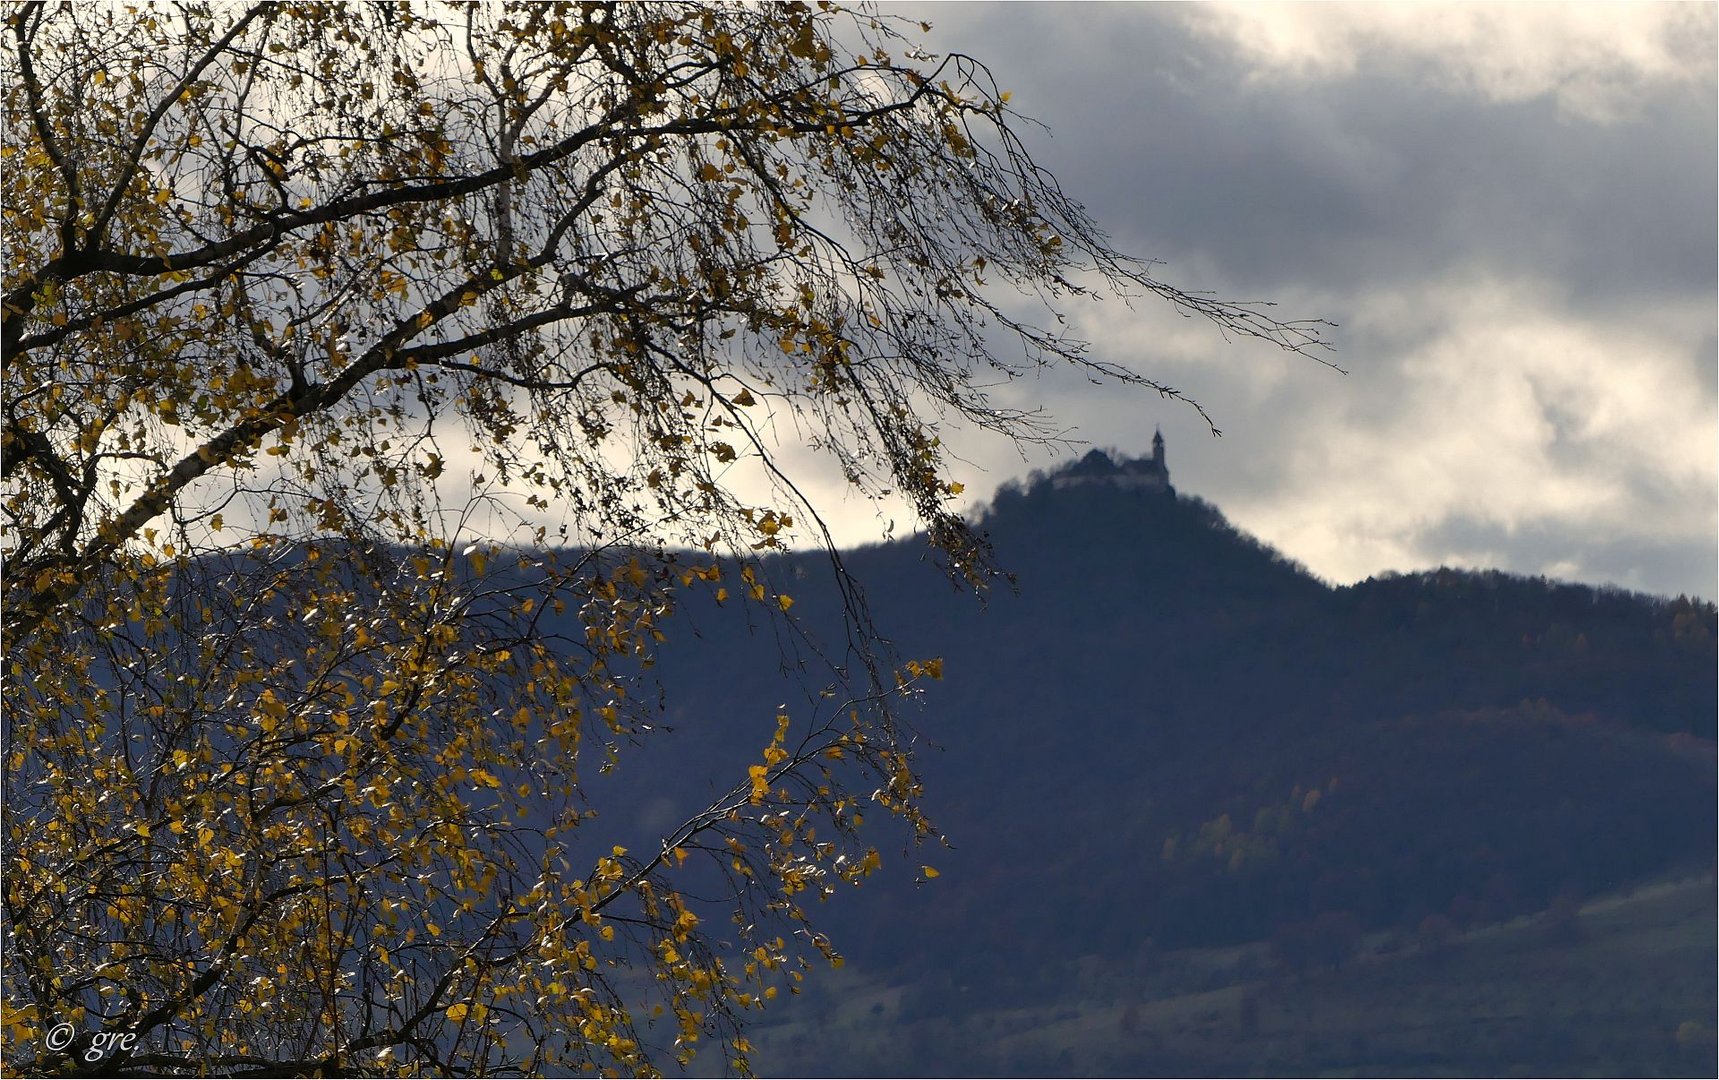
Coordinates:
<point>375,382</point>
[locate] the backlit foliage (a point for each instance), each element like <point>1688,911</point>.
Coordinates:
<point>374,378</point>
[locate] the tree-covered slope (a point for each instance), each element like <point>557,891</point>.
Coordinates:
<point>1165,735</point>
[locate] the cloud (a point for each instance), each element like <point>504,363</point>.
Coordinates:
<point>1249,182</point>
<point>1596,61</point>
<point>1562,439</point>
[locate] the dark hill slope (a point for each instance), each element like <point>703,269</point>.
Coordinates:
<point>1168,732</point>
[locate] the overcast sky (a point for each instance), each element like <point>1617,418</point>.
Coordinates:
<point>1510,211</point>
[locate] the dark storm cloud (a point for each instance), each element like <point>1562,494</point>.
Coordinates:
<point>1183,155</point>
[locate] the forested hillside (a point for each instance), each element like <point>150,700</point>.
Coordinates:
<point>1165,736</point>
<point>1160,742</point>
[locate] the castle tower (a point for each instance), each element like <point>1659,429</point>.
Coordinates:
<point>1158,450</point>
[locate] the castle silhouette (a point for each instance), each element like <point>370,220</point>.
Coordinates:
<point>1131,474</point>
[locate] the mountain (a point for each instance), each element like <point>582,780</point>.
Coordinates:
<point>1165,736</point>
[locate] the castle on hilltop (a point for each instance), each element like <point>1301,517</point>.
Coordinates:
<point>1133,474</point>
